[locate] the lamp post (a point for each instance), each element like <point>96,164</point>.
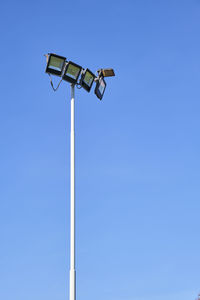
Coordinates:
<point>72,290</point>
<point>69,71</point>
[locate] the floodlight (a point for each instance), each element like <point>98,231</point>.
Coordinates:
<point>87,79</point>
<point>72,72</point>
<point>106,72</point>
<point>55,64</point>
<point>100,87</point>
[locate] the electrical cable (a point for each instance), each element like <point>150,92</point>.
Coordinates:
<point>55,89</point>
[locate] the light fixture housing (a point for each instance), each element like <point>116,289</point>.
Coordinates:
<point>72,72</point>
<point>87,79</point>
<point>106,72</point>
<point>100,87</point>
<point>55,64</point>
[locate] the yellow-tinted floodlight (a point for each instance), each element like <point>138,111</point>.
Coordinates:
<point>100,87</point>
<point>72,72</point>
<point>87,79</point>
<point>106,72</point>
<point>55,64</point>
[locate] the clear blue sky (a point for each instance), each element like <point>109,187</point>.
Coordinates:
<point>137,155</point>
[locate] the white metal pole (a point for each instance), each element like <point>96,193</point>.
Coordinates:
<point>72,289</point>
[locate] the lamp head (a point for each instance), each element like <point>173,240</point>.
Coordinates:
<point>55,64</point>
<point>72,72</point>
<point>100,87</point>
<point>106,72</point>
<point>87,79</point>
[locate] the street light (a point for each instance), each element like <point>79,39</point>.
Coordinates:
<point>55,64</point>
<point>70,72</point>
<point>87,79</point>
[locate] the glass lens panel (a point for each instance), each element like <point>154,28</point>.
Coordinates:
<point>88,78</point>
<point>56,63</point>
<point>102,86</point>
<point>73,71</point>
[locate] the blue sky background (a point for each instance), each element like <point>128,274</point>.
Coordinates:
<point>137,155</point>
